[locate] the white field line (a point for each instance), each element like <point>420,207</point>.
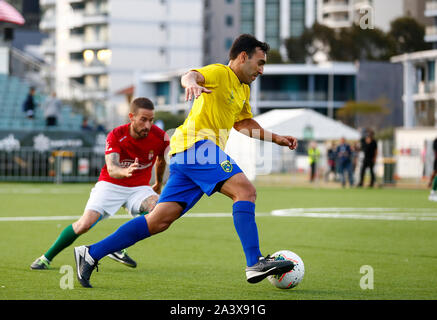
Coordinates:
<point>394,214</point>
<point>120,216</point>
<point>41,191</point>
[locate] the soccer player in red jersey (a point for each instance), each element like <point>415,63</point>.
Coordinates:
<point>131,151</point>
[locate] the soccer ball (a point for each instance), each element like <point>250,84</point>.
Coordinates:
<point>292,278</point>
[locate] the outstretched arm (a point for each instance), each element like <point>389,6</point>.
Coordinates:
<point>251,128</point>
<point>193,82</point>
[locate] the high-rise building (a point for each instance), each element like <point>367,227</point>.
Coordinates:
<point>431,30</point>
<point>274,21</point>
<point>269,20</point>
<point>221,23</point>
<point>368,13</point>
<point>95,47</point>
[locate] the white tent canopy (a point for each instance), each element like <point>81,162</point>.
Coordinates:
<point>293,122</point>
<point>254,157</point>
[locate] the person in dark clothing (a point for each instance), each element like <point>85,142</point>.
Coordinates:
<point>370,150</point>
<point>434,168</point>
<point>332,158</point>
<point>344,158</point>
<point>29,104</point>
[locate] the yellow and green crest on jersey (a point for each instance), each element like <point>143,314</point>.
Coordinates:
<point>226,166</point>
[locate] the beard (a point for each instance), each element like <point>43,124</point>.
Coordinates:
<point>141,132</point>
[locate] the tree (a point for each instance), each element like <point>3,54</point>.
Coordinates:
<point>408,35</point>
<point>296,50</point>
<point>373,110</point>
<point>365,44</point>
<point>274,56</point>
<point>314,40</point>
<point>356,43</point>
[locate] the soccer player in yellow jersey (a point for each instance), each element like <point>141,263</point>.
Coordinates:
<point>199,165</point>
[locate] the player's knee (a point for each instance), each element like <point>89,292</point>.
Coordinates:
<point>247,193</point>
<point>147,205</point>
<point>81,227</point>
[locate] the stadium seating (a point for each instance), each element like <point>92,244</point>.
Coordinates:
<point>13,92</point>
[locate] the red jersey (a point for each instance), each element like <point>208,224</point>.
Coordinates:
<point>145,149</point>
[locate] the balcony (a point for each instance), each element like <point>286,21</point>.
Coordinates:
<point>431,34</point>
<point>335,23</point>
<point>80,19</point>
<point>48,46</point>
<point>96,18</point>
<point>47,23</point>
<point>78,69</point>
<point>47,3</point>
<point>335,6</point>
<point>431,8</point>
<point>292,96</point>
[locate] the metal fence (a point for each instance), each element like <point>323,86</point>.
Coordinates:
<point>29,165</point>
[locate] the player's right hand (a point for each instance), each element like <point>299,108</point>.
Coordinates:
<point>131,169</point>
<point>195,91</point>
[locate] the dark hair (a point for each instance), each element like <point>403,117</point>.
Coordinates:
<point>248,43</point>
<point>141,103</point>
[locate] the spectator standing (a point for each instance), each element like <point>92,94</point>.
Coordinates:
<point>370,150</point>
<point>29,104</point>
<point>85,126</point>
<point>433,180</point>
<point>344,158</point>
<point>313,158</point>
<point>332,158</point>
<point>52,110</point>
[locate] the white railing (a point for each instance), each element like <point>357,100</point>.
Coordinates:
<point>79,165</point>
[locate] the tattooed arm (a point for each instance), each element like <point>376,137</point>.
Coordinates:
<point>115,170</point>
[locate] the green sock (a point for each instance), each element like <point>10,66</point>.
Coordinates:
<point>434,183</point>
<point>66,238</point>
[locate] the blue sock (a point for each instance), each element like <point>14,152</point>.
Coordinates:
<point>244,222</point>
<point>125,236</point>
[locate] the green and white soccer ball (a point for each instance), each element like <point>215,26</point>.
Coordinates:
<point>292,278</point>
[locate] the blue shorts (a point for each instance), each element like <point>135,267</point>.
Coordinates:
<point>198,170</point>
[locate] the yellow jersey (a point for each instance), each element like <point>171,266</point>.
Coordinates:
<point>213,115</point>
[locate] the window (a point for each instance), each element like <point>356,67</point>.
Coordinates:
<point>272,23</point>
<point>229,20</point>
<point>228,43</point>
<point>247,18</point>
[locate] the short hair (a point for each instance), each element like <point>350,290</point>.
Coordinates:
<point>141,103</point>
<point>248,43</point>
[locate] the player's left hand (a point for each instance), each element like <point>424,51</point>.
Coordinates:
<point>287,141</point>
<point>157,187</point>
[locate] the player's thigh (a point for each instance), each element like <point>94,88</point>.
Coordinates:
<point>181,189</point>
<point>239,188</point>
<point>86,221</point>
<point>142,200</point>
<point>107,198</point>
<point>163,215</point>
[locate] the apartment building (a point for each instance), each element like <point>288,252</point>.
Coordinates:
<point>95,47</point>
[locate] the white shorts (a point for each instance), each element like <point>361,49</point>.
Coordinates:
<point>107,198</point>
